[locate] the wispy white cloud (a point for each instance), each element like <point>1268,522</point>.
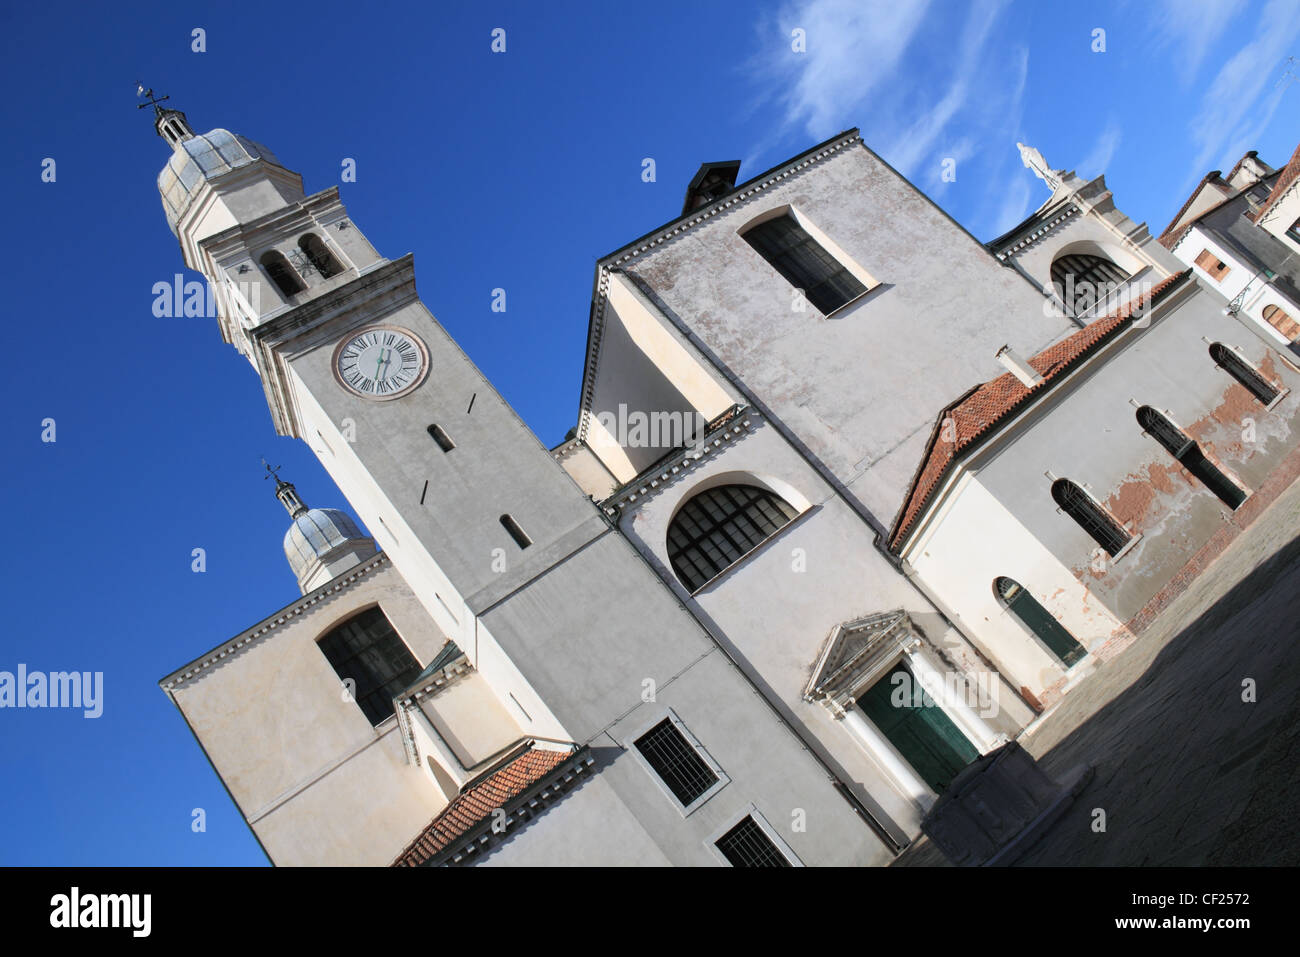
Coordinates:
<point>1231,115</point>
<point>852,47</point>
<point>1103,151</point>
<point>1187,29</point>
<point>917,142</point>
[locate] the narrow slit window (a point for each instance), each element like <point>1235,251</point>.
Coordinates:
<point>1090,516</point>
<point>440,436</point>
<point>282,274</point>
<point>1237,367</point>
<point>516,531</point>
<point>788,248</point>
<point>1188,454</point>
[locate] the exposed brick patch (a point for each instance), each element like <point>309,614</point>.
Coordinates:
<point>1278,480</point>
<point>1030,700</point>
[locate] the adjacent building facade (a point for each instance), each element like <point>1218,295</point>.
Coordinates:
<point>819,539</point>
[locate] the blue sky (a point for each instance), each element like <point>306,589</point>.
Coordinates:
<point>512,171</point>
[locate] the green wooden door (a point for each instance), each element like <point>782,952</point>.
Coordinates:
<point>925,736</point>
<point>1040,621</point>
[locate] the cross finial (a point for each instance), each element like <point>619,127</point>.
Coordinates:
<point>285,492</point>
<point>153,100</point>
<point>272,472</point>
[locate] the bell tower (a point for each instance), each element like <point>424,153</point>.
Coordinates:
<point>459,493</point>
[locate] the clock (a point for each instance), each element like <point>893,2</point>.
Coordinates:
<point>381,362</point>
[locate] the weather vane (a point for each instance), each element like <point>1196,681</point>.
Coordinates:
<point>153,101</point>
<point>271,472</point>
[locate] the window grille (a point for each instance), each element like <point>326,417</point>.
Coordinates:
<point>719,526</point>
<point>1243,372</point>
<point>1083,281</point>
<point>1189,455</point>
<point>366,649</point>
<point>747,845</point>
<point>1092,518</point>
<point>804,263</point>
<point>676,761</point>
<point>319,255</point>
<point>282,274</point>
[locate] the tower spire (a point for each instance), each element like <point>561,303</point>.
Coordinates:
<point>285,492</point>
<point>170,124</point>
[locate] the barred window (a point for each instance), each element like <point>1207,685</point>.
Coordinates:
<point>1092,518</point>
<point>747,845</point>
<point>1189,455</point>
<point>719,526</point>
<point>316,251</point>
<point>1083,281</point>
<point>687,775</point>
<point>1243,372</point>
<point>367,650</point>
<point>804,263</point>
<point>282,274</point>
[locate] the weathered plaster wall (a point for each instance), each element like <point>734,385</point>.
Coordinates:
<point>859,388</point>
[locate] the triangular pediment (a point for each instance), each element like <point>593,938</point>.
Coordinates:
<point>854,649</point>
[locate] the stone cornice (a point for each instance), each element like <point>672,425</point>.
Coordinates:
<point>394,279</point>
<point>246,639</point>
<point>1036,234</point>
<point>681,463</point>
<point>672,230</point>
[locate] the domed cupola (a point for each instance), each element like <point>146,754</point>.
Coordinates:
<point>196,159</point>
<point>202,174</point>
<point>322,543</point>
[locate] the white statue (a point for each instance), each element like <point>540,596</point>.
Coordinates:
<point>1034,160</point>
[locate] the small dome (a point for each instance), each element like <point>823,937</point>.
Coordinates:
<point>202,157</point>
<point>316,535</point>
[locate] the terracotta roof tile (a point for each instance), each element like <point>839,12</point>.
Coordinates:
<point>977,413</point>
<point>475,804</point>
<point>1289,174</point>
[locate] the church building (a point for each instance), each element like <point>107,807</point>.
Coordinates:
<point>852,500</point>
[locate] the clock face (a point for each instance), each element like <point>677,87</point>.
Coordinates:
<point>382,362</point>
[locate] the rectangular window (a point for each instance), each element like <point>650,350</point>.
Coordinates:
<point>1213,265</point>
<point>1294,231</point>
<point>804,263</point>
<point>747,845</point>
<point>677,762</point>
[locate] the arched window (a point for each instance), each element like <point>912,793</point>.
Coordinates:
<point>804,263</point>
<point>320,256</point>
<point>1243,372</point>
<point>1084,281</point>
<point>1092,518</point>
<point>282,274</point>
<point>366,649</point>
<point>1039,621</point>
<point>1189,455</point>
<point>719,526</point>
<point>1282,322</point>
